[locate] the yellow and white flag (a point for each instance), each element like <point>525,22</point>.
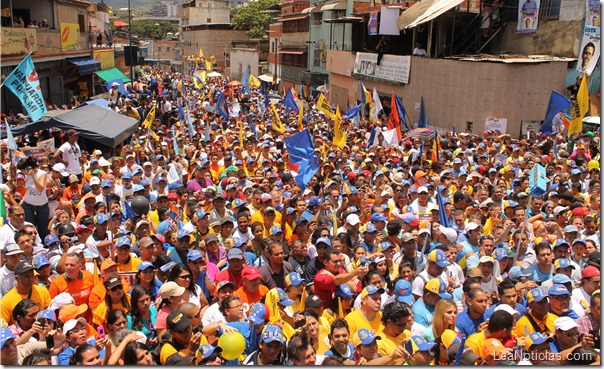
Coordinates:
<point>323,105</point>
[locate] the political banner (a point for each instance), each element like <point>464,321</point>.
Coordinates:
<point>106,57</point>
<point>528,16</point>
<point>24,83</point>
<point>48,145</point>
<point>70,36</point>
<point>592,14</point>
<point>18,41</point>
<point>392,68</point>
<point>589,52</point>
<point>497,124</point>
<point>372,26</point>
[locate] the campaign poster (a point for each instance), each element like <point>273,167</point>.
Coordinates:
<point>592,13</point>
<point>372,26</point>
<point>589,52</point>
<point>528,16</point>
<point>497,124</point>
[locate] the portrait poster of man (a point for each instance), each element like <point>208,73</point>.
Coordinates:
<point>589,52</point>
<point>528,16</point>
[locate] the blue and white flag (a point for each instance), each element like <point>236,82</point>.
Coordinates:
<point>352,112</point>
<point>24,83</point>
<point>221,108</point>
<point>10,140</point>
<point>245,80</point>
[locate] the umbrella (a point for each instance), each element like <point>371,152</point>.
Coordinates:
<point>234,84</point>
<point>423,133</point>
<point>214,74</point>
<point>593,119</point>
<point>274,96</point>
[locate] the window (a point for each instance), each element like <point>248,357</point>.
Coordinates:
<point>316,58</point>
<point>82,23</point>
<point>209,20</point>
<point>549,9</point>
<point>317,18</point>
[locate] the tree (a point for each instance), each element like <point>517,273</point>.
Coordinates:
<point>252,19</point>
<point>147,29</point>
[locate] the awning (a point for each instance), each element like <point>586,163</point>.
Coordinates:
<point>424,11</point>
<point>267,78</point>
<point>294,18</point>
<point>111,74</point>
<point>308,10</point>
<point>335,6</point>
<point>291,52</point>
<point>85,65</point>
<point>344,20</point>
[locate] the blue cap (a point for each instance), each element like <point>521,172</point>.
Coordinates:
<point>314,201</point>
<point>571,228</point>
<point>257,313</point>
<point>250,159</point>
<point>364,336</point>
<point>138,188</point>
<point>561,279</point>
<point>378,217</point>
<point>300,220</point>
<point>370,289</point>
<point>561,242</point>
<point>50,239</point>
<point>353,190</point>
<point>536,338</point>
<point>194,255</point>
<point>293,279</point>
<point>579,240</point>
<point>575,172</point>
<point>403,291</point>
<point>199,214</point>
<point>124,241</point>
<point>175,185</point>
<point>100,218</point>
<point>5,335</point>
<point>276,230</point>
<point>283,299</point>
<point>344,291</point>
<point>500,253</point>
<point>238,202</point>
<point>420,344</point>
<point>270,333</point>
<point>536,294</point>
<point>207,350</point>
<point>159,179</point>
<point>290,210</point>
<point>517,272</point>
<point>127,175</point>
<point>439,257</point>
<point>237,242</point>
<point>47,314</point>
<point>106,183</point>
<point>370,228</point>
<point>183,232</point>
<point>39,261</point>
<point>353,209</point>
<point>558,290</point>
<point>145,265</point>
<point>224,283</point>
<point>324,240</point>
<point>562,263</point>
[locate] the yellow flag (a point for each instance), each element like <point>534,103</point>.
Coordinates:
<point>196,83</point>
<point>580,108</point>
<point>277,125</point>
<point>254,82</point>
<point>208,65</point>
<point>200,53</point>
<point>300,125</point>
<point>213,59</point>
<point>240,123</point>
<point>339,136</point>
<point>149,119</point>
<point>154,135</point>
<point>324,106</point>
<point>204,77</point>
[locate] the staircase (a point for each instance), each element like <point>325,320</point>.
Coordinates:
<point>471,39</point>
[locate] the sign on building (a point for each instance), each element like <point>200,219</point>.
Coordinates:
<point>70,36</point>
<point>589,53</point>
<point>106,57</point>
<point>392,67</point>
<point>18,41</point>
<point>498,124</point>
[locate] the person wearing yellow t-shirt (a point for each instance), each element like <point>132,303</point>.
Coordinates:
<point>499,327</point>
<point>539,319</point>
<point>392,331</point>
<point>24,289</point>
<point>115,296</point>
<point>124,260</point>
<point>369,315</point>
<point>182,346</point>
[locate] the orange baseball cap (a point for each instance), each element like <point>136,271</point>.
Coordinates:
<point>69,312</point>
<point>108,263</point>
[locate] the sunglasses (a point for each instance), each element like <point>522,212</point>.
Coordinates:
<point>116,288</point>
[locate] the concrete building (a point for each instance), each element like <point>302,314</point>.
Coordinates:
<point>244,53</point>
<point>165,9</point>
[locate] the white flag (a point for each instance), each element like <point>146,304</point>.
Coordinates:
<point>390,138</point>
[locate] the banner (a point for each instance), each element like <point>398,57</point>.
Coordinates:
<point>393,68</point>
<point>323,105</point>
<point>19,41</point>
<point>388,19</point>
<point>339,132</point>
<point>592,15</point>
<point>106,57</point>
<point>589,52</point>
<point>70,36</point>
<point>372,26</point>
<point>36,151</point>
<point>579,109</point>
<point>498,124</point>
<point>24,83</point>
<point>48,145</point>
<point>528,16</point>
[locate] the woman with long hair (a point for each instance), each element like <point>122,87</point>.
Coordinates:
<point>171,298</point>
<point>115,298</point>
<point>445,314</point>
<point>143,315</point>
<point>345,295</point>
<point>85,355</point>
<point>145,277</point>
<point>379,264</point>
<point>35,201</point>
<point>182,275</point>
<point>358,253</point>
<point>137,354</point>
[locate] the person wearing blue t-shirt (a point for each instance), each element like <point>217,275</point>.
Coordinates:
<point>423,309</point>
<point>543,269</point>
<point>340,336</point>
<point>507,296</point>
<point>468,320</point>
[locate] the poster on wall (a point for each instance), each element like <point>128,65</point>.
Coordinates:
<point>388,19</point>
<point>592,14</point>
<point>497,124</point>
<point>19,41</point>
<point>589,52</point>
<point>70,36</point>
<point>528,16</point>
<point>372,26</point>
<point>530,126</point>
<point>106,57</point>
<point>392,67</point>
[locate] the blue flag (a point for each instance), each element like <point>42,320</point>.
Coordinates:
<point>352,112</point>
<point>181,113</point>
<point>189,123</point>
<point>11,144</point>
<point>301,153</point>
<point>221,108</point>
<point>373,138</point>
<point>290,103</point>
<point>557,103</point>
<point>25,84</point>
<point>245,80</point>
<point>128,212</point>
<point>442,215</point>
<point>120,88</point>
<point>400,109</point>
<point>250,122</point>
<point>423,118</point>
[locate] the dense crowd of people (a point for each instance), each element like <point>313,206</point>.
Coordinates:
<point>195,233</point>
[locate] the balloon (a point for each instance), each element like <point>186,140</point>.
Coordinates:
<point>140,205</point>
<point>593,164</point>
<point>232,345</point>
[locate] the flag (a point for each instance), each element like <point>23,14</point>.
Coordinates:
<point>277,124</point>
<point>189,123</point>
<point>300,116</point>
<point>181,113</point>
<point>390,138</point>
<point>301,152</point>
<point>149,118</point>
<point>174,142</point>
<point>208,65</point>
<point>11,144</point>
<point>204,77</point>
<point>423,118</point>
<point>220,106</point>
<point>352,112</point>
<point>200,53</point>
<point>373,137</point>
<point>240,124</point>
<point>24,83</point>
<point>323,105</point>
<point>365,95</point>
<point>245,80</point>
<point>557,103</point>
<point>254,82</point>
<point>442,215</point>
<point>154,135</point>
<point>128,212</point>
<point>250,121</point>
<point>339,135</point>
<point>266,100</point>
<point>376,101</point>
<point>435,149</point>
<point>580,108</point>
<point>394,119</point>
<point>212,59</point>
<point>173,176</point>
<point>289,102</point>
<point>402,113</point>
<point>356,120</point>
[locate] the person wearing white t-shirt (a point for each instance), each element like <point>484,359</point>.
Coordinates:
<point>437,264</point>
<point>69,153</point>
<point>213,314</point>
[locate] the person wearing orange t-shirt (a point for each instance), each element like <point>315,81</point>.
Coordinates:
<point>252,291</point>
<point>97,295</point>
<point>75,281</point>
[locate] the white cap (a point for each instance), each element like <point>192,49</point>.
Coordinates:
<point>306,192</point>
<point>422,189</point>
<point>507,308</point>
<point>60,300</point>
<point>147,163</point>
<point>353,219</point>
<point>423,230</point>
<point>97,153</point>
<point>95,181</point>
<point>71,324</point>
<point>450,233</point>
<point>565,324</point>
<point>104,162</point>
<point>559,209</point>
<point>486,259</point>
<point>471,226</point>
<point>60,167</point>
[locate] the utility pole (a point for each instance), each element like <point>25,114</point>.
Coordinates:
<point>130,43</point>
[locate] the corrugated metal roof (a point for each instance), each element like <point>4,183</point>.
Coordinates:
<point>424,11</point>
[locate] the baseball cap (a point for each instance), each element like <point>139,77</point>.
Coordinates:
<point>378,217</point>
<point>211,238</point>
<point>559,209</point>
<point>420,344</point>
<point>250,273</point>
<point>71,324</point>
<point>470,227</point>
<point>449,337</point>
<point>324,240</point>
<point>183,232</point>
<point>100,218</point>
<point>558,290</point>
<point>40,261</point>
<point>293,279</point>
<point>124,241</point>
<point>561,242</point>
<point>437,287</point>
<point>565,323</point>
<point>313,301</point>
<point>259,313</point>
<point>235,253</point>
<point>486,259</point>
<point>439,257</point>
<point>5,336</point>
<point>344,291</point>
<point>12,249</point>
<point>370,290</point>
<point>145,265</point>
<point>225,283</point>
<point>69,311</point>
<point>283,299</point>
<point>589,272</point>
<point>353,219</point>
<point>536,338</point>
<point>271,333</point>
<point>177,321</point>
<point>145,242</point>
<point>50,239</point>
<point>370,228</point>
<point>276,230</point>
<point>561,279</point>
<point>194,255</point>
<point>535,294</point>
<point>402,289</point>
<point>112,282</point>
<point>562,263</point>
<point>516,272</point>
<point>500,253</point>
<point>492,347</point>
<point>47,314</point>
<point>506,308</point>
<point>23,266</point>
<point>106,264</point>
<point>205,351</point>
<point>570,229</point>
<point>364,336</point>
<point>474,272</point>
<point>170,289</point>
